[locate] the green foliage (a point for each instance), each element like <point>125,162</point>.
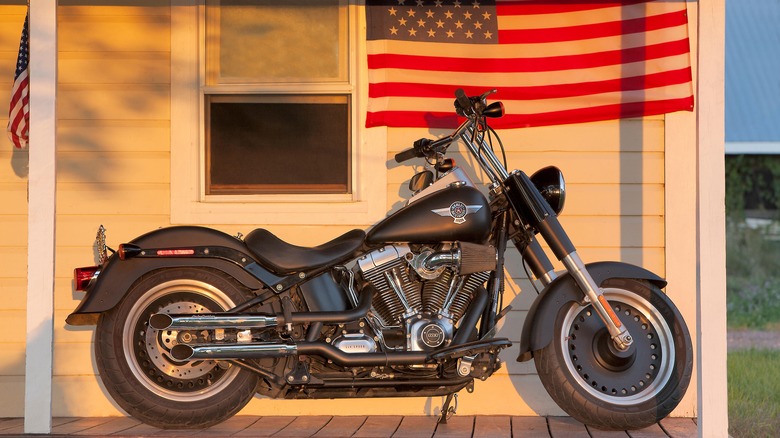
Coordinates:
<point>752,183</point>
<point>753,286</point>
<point>754,393</point>
<point>753,252</point>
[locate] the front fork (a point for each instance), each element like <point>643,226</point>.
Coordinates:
<point>531,206</point>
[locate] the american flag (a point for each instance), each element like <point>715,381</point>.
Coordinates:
<point>19,114</point>
<point>552,62</point>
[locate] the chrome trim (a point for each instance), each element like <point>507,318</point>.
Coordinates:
<point>165,321</point>
<point>184,352</point>
<point>579,272</point>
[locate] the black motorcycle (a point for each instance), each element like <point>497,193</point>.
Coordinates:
<point>192,322</point>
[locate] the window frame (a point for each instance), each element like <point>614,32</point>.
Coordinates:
<point>190,205</point>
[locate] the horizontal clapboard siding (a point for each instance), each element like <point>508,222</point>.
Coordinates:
<point>114,168</point>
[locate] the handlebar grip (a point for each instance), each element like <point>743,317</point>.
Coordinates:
<point>406,155</point>
<point>463,100</point>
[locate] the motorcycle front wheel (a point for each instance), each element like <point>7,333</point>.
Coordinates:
<point>604,387</point>
<point>135,363</point>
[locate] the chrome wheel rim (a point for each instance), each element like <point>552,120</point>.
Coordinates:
<point>622,378</point>
<point>147,350</point>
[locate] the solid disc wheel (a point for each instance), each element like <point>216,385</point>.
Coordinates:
<point>602,386</point>
<point>135,363</point>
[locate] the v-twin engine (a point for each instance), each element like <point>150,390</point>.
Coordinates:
<point>422,292</point>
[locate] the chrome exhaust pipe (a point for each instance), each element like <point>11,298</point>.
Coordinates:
<point>164,321</point>
<point>184,352</point>
<point>205,321</point>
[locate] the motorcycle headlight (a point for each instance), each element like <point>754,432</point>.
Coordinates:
<point>551,185</point>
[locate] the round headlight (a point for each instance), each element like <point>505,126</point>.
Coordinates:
<point>551,185</point>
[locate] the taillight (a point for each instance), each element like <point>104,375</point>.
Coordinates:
<point>83,276</point>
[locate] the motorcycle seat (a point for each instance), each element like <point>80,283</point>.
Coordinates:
<point>285,258</point>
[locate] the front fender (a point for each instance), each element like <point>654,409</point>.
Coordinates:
<point>539,324</point>
<point>117,276</point>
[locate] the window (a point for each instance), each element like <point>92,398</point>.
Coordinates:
<point>267,116</point>
<point>288,141</point>
<point>277,144</point>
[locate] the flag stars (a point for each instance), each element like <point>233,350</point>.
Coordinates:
<point>458,20</point>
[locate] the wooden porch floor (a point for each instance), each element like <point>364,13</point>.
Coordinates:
<point>359,426</point>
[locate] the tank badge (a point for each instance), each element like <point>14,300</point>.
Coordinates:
<point>458,211</point>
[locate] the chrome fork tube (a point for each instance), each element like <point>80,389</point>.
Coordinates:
<point>593,294</point>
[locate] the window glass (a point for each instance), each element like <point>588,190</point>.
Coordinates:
<point>262,41</point>
<point>278,144</point>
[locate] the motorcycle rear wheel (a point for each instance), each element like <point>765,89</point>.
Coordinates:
<point>608,389</point>
<point>135,363</point>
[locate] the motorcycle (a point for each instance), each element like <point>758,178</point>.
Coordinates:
<point>192,322</point>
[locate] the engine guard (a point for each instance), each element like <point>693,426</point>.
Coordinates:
<point>538,327</point>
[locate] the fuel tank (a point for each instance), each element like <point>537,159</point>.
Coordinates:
<point>457,212</point>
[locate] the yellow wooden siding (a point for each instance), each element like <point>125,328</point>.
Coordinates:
<point>13,227</point>
<point>113,161</point>
<point>113,153</point>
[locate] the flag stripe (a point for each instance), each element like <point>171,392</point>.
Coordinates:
<point>588,31</point>
<point>503,80</point>
<point>681,76</point>
<point>551,7</point>
<point>522,106</point>
<point>532,50</point>
<point>612,13</point>
<point>544,64</point>
<point>447,119</point>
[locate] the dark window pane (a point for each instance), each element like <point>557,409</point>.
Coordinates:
<point>278,144</point>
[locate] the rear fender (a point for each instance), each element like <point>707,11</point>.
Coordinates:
<point>539,324</point>
<point>117,276</point>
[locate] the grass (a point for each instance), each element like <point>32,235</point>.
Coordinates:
<point>754,393</point>
<point>753,302</point>
<point>753,283</point>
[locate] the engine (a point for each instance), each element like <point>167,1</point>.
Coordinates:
<point>422,293</point>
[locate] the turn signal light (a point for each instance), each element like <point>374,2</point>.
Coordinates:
<point>128,251</point>
<point>82,277</point>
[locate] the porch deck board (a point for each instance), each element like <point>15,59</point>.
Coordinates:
<point>458,426</point>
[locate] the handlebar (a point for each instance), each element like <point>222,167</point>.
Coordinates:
<point>473,108</point>
<point>405,155</point>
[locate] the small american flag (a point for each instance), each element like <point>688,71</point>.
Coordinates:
<point>552,61</point>
<point>19,114</point>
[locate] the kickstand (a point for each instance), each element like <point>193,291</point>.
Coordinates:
<point>447,411</point>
